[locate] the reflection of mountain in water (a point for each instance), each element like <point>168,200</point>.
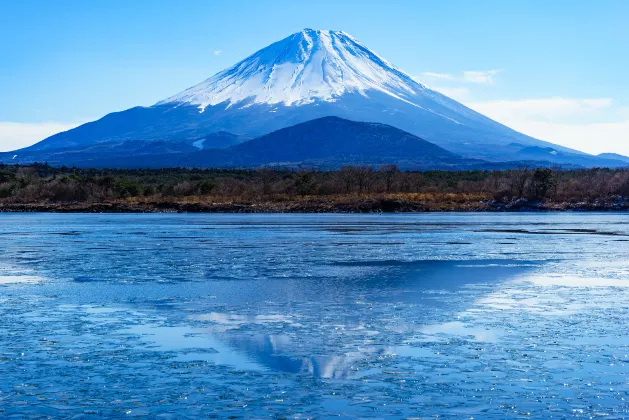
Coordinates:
<point>271,352</point>
<point>395,282</point>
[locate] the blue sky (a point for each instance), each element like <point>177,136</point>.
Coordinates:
<point>553,69</point>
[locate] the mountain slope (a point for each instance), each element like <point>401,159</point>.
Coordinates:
<point>323,143</point>
<point>308,75</point>
<point>535,153</point>
<point>329,142</point>
<point>304,67</point>
<point>313,73</point>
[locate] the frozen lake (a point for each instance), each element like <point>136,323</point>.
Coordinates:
<point>414,315</point>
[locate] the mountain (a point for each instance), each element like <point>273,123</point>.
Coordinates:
<point>324,143</point>
<point>219,140</point>
<point>308,75</point>
<point>330,142</point>
<point>614,156</point>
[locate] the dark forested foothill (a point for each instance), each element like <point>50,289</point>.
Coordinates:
<point>40,187</point>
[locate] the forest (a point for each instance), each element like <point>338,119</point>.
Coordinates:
<point>352,188</point>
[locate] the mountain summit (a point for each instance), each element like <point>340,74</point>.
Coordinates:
<point>309,75</point>
<point>307,66</point>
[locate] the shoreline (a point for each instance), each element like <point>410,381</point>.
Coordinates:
<point>315,206</point>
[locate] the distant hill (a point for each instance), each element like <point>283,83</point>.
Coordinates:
<point>561,157</point>
<point>614,156</point>
<point>330,142</point>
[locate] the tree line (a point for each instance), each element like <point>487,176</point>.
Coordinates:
<point>42,182</point>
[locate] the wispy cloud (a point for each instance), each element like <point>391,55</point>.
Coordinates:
<point>15,135</point>
<point>485,77</point>
<point>218,52</point>
<point>441,76</point>
<point>482,77</point>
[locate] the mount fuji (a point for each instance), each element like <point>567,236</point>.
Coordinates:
<point>309,75</point>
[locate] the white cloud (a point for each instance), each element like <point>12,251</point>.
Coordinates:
<point>485,77</point>
<point>481,77</point>
<point>441,76</point>
<point>582,124</point>
<point>218,52</point>
<point>17,135</point>
<point>592,125</point>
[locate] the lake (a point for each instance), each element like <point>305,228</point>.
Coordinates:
<point>413,315</point>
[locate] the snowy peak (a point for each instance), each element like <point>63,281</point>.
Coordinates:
<point>307,66</point>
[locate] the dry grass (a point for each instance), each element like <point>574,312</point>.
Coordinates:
<point>347,202</point>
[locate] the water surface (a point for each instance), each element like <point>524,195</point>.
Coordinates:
<point>449,315</point>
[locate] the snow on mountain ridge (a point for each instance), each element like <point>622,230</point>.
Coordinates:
<point>307,66</point>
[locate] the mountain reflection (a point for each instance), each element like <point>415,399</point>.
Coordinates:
<point>271,352</point>
<point>308,343</point>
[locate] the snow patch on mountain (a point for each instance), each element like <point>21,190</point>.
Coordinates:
<point>300,69</point>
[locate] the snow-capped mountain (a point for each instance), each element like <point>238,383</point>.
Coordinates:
<point>308,75</point>
<point>307,66</point>
<point>310,66</point>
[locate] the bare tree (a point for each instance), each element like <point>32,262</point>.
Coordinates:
<point>364,178</point>
<point>348,178</point>
<point>267,176</point>
<point>519,179</point>
<point>390,175</point>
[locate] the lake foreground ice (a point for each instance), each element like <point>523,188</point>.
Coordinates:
<point>300,316</point>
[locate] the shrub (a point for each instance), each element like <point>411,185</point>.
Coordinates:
<point>127,188</point>
<point>206,186</point>
<point>6,176</point>
<point>6,189</point>
<point>543,182</point>
<point>305,184</point>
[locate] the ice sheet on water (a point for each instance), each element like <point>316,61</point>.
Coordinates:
<point>410,329</point>
<point>11,275</point>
